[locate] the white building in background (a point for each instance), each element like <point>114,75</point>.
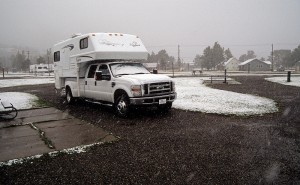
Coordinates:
<point>41,68</point>
<point>254,65</point>
<point>232,64</point>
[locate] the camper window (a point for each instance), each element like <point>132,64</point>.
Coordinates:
<point>56,56</point>
<point>92,71</point>
<point>83,43</point>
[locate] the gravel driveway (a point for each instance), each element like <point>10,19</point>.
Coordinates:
<point>180,147</point>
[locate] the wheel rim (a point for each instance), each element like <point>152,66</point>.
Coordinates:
<point>122,107</point>
<point>68,96</point>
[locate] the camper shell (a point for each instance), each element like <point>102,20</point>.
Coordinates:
<point>72,56</point>
<point>88,66</point>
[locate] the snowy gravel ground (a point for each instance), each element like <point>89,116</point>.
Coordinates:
<point>19,74</point>
<point>180,147</point>
<point>192,96</point>
<point>295,80</point>
<point>29,81</point>
<point>195,96</point>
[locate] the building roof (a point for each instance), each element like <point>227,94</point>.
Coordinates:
<point>268,62</point>
<point>247,61</point>
<point>229,60</point>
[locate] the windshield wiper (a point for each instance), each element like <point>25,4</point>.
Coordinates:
<point>139,73</point>
<point>122,74</point>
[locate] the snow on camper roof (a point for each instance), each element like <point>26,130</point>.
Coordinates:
<point>119,46</point>
<point>107,46</point>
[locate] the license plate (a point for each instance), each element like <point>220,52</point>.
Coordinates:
<point>162,101</point>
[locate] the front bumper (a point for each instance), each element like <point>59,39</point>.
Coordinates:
<point>152,100</point>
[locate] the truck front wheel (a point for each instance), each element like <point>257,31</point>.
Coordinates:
<point>122,105</point>
<point>69,97</point>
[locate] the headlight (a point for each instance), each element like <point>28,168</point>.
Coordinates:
<point>173,86</point>
<point>136,90</point>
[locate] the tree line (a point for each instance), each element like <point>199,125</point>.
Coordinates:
<point>210,58</point>
<point>20,62</point>
<point>216,54</point>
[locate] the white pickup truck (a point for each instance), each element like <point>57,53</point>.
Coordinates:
<point>104,67</point>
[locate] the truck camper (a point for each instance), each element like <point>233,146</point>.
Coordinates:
<point>105,67</point>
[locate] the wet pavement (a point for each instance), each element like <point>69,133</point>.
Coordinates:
<point>45,130</point>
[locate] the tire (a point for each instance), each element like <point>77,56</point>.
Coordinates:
<point>122,106</point>
<point>69,96</point>
<point>165,108</point>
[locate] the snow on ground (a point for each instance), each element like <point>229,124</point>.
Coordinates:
<point>74,150</point>
<point>19,100</point>
<point>29,81</point>
<point>20,74</point>
<point>295,80</point>
<point>192,95</point>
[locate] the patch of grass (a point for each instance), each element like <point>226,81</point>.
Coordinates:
<point>41,103</point>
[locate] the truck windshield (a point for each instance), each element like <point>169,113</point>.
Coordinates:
<point>119,69</point>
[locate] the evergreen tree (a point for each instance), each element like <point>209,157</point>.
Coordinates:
<point>163,58</point>
<point>250,55</point>
<point>20,62</point>
<point>41,60</point>
<point>212,56</point>
<point>228,54</point>
<point>217,54</point>
<point>294,57</point>
<point>207,58</point>
<point>198,61</point>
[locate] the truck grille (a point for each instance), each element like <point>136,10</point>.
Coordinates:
<point>157,88</point>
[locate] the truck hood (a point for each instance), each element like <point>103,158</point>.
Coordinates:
<point>146,78</point>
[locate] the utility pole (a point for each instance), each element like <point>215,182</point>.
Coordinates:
<point>28,55</point>
<point>178,60</point>
<point>272,58</point>
<point>48,55</point>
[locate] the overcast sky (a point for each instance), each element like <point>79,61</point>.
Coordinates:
<point>162,24</point>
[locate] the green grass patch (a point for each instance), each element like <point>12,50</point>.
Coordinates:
<point>41,103</point>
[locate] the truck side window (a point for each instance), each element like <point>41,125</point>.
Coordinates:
<point>56,56</point>
<point>83,43</point>
<point>92,71</point>
<point>104,69</point>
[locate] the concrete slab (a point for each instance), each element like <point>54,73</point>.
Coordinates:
<point>18,140</point>
<point>22,141</point>
<point>37,112</point>
<point>47,117</point>
<point>71,133</point>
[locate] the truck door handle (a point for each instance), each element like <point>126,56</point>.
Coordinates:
<point>95,83</point>
<point>85,82</point>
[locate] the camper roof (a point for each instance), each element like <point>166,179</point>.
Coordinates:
<point>109,46</point>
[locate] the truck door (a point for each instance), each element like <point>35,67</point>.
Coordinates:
<point>90,82</point>
<point>103,86</point>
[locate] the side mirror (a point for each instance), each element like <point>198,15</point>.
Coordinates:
<point>154,71</point>
<point>98,76</point>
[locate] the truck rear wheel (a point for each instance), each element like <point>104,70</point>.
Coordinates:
<point>122,106</point>
<point>69,96</point>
